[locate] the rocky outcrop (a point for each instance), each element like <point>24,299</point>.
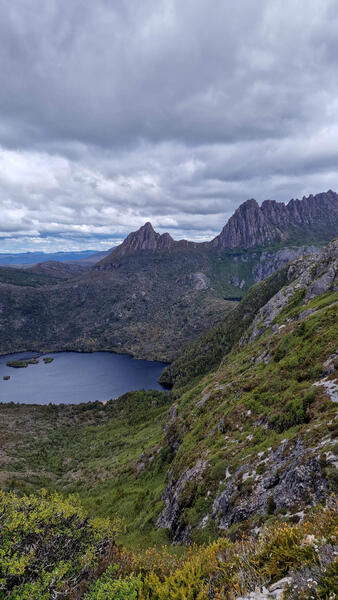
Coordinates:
<point>288,479</point>
<point>271,261</point>
<point>274,591</point>
<point>145,238</point>
<point>311,275</point>
<point>198,281</point>
<point>176,497</point>
<point>293,477</point>
<point>313,217</point>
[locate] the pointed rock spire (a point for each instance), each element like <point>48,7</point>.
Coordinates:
<point>145,238</point>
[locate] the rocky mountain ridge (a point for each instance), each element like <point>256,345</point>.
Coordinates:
<point>253,225</point>
<point>314,218</point>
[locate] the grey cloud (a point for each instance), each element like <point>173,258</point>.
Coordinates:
<point>113,113</point>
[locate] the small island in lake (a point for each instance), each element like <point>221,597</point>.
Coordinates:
<point>47,359</point>
<point>21,364</point>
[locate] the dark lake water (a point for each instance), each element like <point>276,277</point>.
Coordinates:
<point>76,377</point>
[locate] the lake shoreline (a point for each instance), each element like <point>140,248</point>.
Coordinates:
<point>40,353</point>
<point>59,348</point>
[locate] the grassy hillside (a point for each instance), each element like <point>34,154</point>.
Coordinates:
<point>224,431</point>
<point>94,450</point>
<point>240,422</point>
<point>234,459</point>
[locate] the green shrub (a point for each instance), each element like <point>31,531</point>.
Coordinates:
<point>294,414</point>
<point>45,541</point>
<point>219,469</point>
<point>107,587</point>
<point>271,505</point>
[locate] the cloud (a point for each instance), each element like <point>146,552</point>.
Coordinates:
<point>114,113</point>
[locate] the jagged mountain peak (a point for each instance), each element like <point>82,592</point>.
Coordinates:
<point>146,227</point>
<point>252,225</point>
<point>312,219</point>
<point>145,238</point>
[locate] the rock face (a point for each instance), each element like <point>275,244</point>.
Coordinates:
<point>175,498</point>
<point>253,225</point>
<point>145,238</point>
<point>315,277</point>
<point>293,477</point>
<point>275,591</point>
<point>271,261</point>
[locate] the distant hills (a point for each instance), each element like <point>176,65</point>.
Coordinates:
<point>23,259</point>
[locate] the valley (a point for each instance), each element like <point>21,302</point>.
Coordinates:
<point>220,486</point>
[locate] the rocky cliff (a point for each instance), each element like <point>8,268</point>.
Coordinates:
<point>145,238</point>
<point>314,218</point>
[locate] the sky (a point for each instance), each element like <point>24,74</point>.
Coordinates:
<point>117,112</point>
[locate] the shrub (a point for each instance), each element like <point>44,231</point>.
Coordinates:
<point>45,542</point>
<point>295,414</point>
<point>107,587</point>
<point>271,505</point>
<point>219,469</point>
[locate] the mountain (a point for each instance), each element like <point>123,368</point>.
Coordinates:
<point>312,219</point>
<point>240,458</point>
<point>151,295</point>
<point>144,238</point>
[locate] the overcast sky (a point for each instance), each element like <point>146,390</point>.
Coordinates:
<point>117,112</point>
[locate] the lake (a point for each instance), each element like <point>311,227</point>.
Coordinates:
<point>75,377</point>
